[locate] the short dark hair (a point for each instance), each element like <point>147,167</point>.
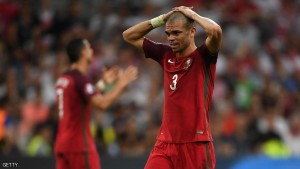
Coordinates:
<point>179,16</point>
<point>74,48</point>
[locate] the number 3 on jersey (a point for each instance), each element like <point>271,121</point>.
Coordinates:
<point>175,79</point>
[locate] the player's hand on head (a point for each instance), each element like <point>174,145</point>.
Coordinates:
<point>167,15</point>
<point>128,75</point>
<point>110,75</point>
<point>183,7</point>
<point>187,11</point>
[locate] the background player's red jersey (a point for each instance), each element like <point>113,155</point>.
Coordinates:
<point>73,92</point>
<point>188,84</point>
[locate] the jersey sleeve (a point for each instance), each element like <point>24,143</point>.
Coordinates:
<point>154,50</point>
<point>208,56</point>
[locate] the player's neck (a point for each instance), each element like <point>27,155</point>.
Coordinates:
<point>187,51</point>
<point>81,67</point>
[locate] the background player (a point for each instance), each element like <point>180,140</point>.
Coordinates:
<point>184,140</point>
<point>74,146</point>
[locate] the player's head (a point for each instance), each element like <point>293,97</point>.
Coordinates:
<point>180,31</point>
<point>79,49</point>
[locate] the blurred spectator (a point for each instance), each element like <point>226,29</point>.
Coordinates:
<point>291,137</point>
<point>27,23</point>
<point>8,11</point>
<point>33,112</point>
<point>40,142</point>
<point>243,90</point>
<point>3,118</point>
<point>46,13</point>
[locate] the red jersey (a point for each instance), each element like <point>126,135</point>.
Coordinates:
<point>188,88</point>
<point>73,92</point>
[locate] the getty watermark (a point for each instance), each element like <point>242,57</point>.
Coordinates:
<point>10,165</point>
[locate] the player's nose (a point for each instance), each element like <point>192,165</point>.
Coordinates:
<point>171,38</point>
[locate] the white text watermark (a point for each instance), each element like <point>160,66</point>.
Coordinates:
<point>10,165</point>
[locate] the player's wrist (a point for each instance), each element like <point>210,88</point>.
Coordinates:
<point>101,84</point>
<point>157,21</point>
<point>104,86</point>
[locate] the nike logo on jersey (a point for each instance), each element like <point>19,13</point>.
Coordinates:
<point>170,61</point>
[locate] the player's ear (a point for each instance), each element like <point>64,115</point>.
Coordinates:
<point>82,52</point>
<point>193,31</point>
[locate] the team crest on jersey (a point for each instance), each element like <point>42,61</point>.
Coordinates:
<point>187,63</point>
<point>89,88</point>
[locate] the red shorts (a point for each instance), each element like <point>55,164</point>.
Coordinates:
<point>197,155</point>
<point>77,160</point>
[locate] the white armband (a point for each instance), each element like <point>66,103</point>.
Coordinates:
<point>101,85</point>
<point>157,21</point>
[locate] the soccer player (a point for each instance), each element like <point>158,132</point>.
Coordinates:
<point>74,145</point>
<point>184,140</point>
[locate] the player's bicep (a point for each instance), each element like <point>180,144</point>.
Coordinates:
<point>138,43</point>
<point>214,40</point>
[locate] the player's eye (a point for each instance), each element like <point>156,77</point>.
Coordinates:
<point>176,33</point>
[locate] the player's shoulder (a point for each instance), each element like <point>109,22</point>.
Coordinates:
<point>64,80</point>
<point>202,49</point>
<point>148,43</point>
<point>72,76</point>
<point>206,55</point>
<point>76,75</point>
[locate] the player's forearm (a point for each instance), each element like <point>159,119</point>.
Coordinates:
<point>104,101</point>
<point>137,32</point>
<point>211,28</point>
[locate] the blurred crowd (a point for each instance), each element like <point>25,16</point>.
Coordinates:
<point>256,101</point>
